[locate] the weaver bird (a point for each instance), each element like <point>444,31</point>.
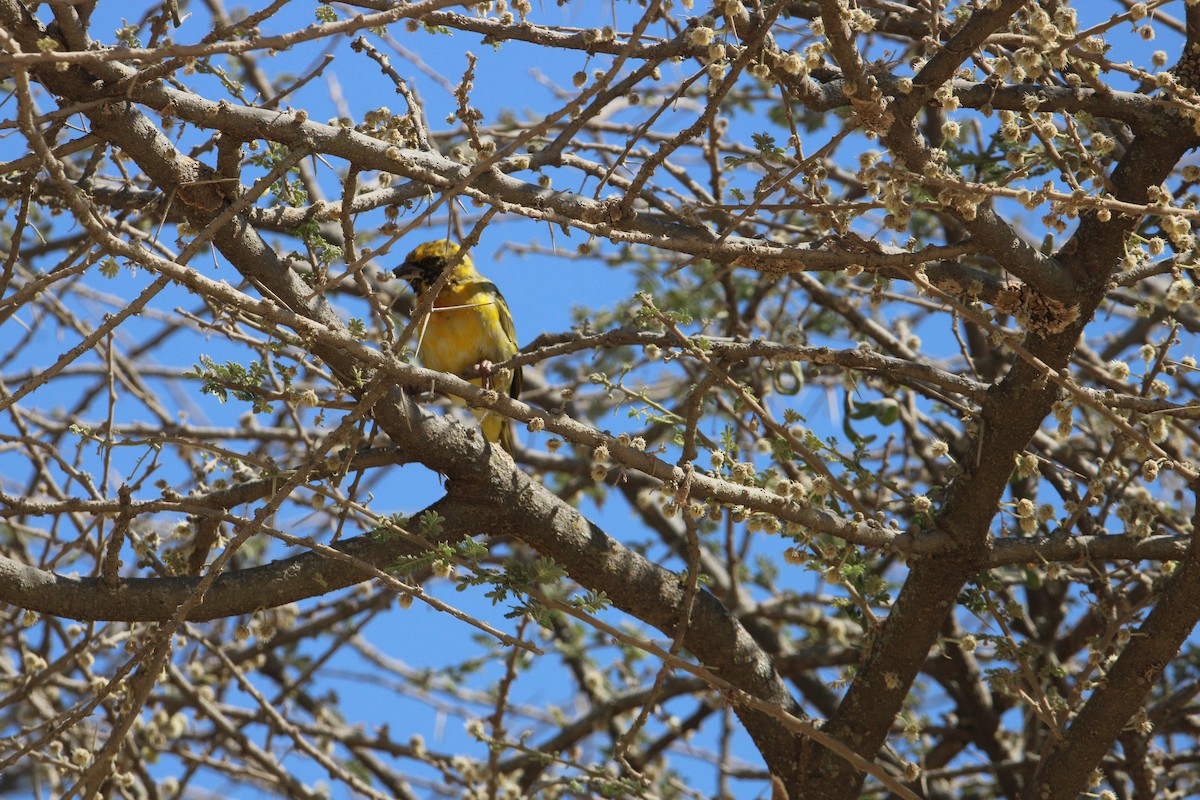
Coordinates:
<point>469,326</point>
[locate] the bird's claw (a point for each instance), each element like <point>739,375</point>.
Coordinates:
<point>486,372</point>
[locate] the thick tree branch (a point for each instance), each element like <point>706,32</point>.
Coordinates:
<point>1065,770</point>
<point>1011,415</point>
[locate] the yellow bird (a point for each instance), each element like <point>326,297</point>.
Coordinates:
<point>469,326</point>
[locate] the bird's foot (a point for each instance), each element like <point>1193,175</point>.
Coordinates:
<point>486,372</point>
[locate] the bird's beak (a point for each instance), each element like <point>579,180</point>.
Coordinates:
<point>407,271</point>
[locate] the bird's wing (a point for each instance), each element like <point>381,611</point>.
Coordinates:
<point>510,332</point>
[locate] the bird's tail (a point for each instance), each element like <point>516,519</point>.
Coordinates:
<point>497,429</point>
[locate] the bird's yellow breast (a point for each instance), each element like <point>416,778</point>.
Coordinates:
<point>465,326</point>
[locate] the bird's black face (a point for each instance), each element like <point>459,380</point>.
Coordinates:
<point>420,272</point>
<point>423,266</point>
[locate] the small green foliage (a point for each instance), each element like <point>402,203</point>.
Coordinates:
<point>591,601</point>
<point>513,582</point>
<point>651,317</point>
<point>472,550</point>
<point>430,524</point>
<point>389,528</point>
<point>974,596</point>
<point>768,150</point>
<point>308,231</point>
<point>289,192</point>
<point>323,252</point>
<point>781,448</point>
<point>886,411</point>
<point>765,144</point>
<point>325,13</point>
<point>243,382</point>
